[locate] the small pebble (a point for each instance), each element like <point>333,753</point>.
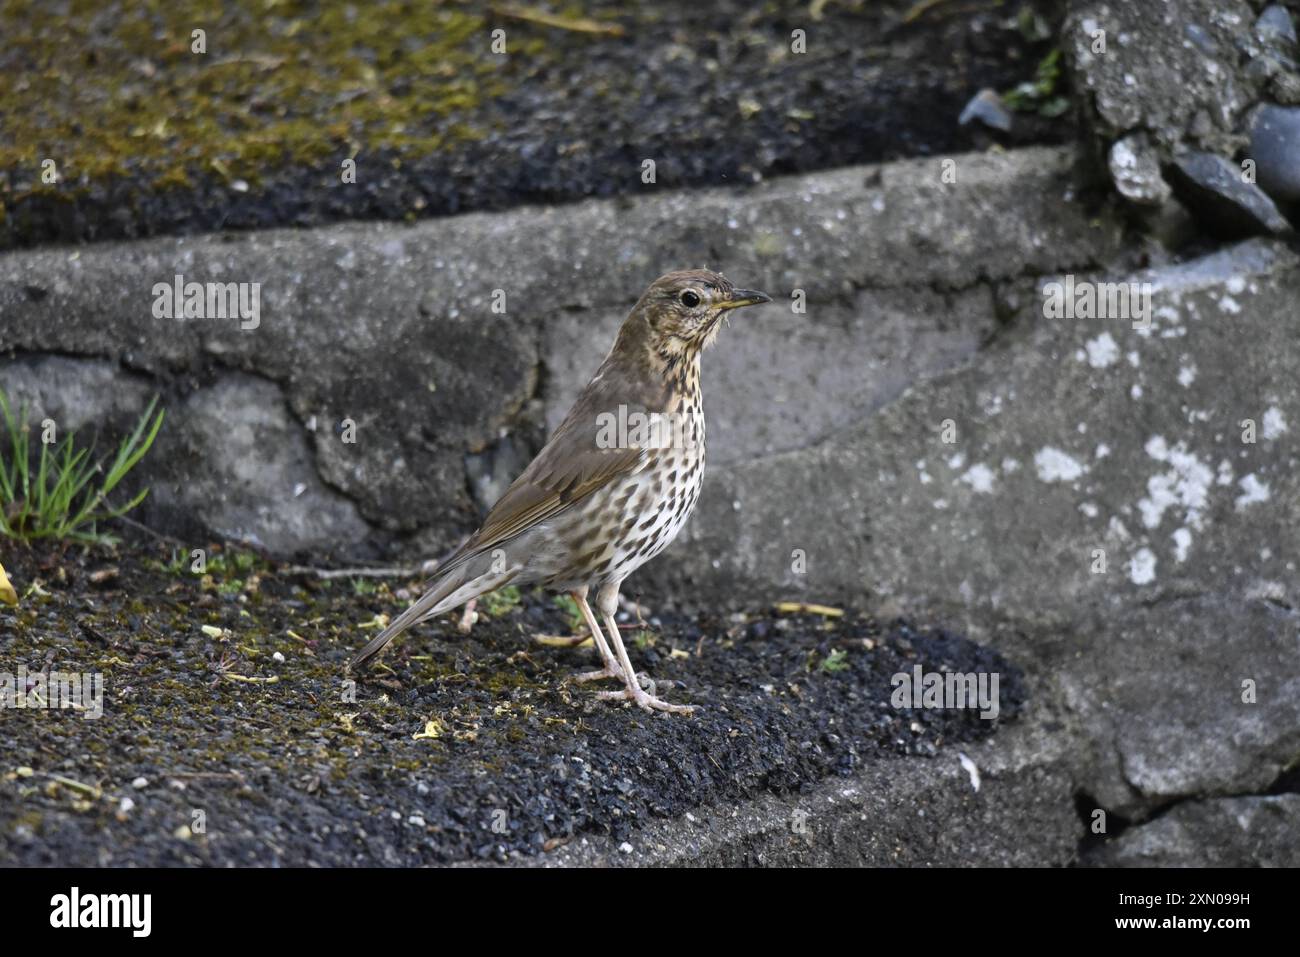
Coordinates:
<point>278,658</point>
<point>986,106</point>
<point>140,783</point>
<point>1275,24</point>
<point>625,848</point>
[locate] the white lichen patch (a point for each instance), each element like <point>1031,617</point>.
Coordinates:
<point>1185,486</point>
<point>1182,544</point>
<point>1274,423</point>
<point>1053,465</point>
<point>1142,567</point>
<point>1102,351</point>
<point>1186,375</point>
<point>1253,491</point>
<point>979,477</point>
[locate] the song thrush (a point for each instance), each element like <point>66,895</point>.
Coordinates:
<point>614,484</point>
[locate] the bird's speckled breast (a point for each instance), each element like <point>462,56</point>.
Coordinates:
<point>630,521</point>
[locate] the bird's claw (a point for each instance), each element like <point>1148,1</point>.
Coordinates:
<point>644,700</point>
<point>609,671</point>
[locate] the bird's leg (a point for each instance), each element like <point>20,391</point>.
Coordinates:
<point>468,617</point>
<point>607,601</point>
<point>611,668</point>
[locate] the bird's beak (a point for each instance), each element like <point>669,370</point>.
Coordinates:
<point>744,297</point>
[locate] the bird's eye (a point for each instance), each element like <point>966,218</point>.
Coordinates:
<point>690,299</point>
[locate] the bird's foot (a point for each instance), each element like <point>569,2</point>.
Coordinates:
<point>468,618</point>
<point>611,670</point>
<point>644,699</point>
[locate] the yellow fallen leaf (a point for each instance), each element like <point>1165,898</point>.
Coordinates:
<point>251,679</point>
<point>7,593</point>
<point>433,730</point>
<point>563,641</point>
<point>802,608</point>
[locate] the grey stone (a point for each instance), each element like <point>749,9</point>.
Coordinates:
<point>492,470</point>
<point>1284,88</point>
<point>1190,697</point>
<point>390,331</point>
<point>1215,191</point>
<point>75,393</point>
<point>1171,69</point>
<point>235,460</point>
<point>1276,26</point>
<point>1135,170</point>
<point>1275,148</point>
<point>987,107</point>
<point>1220,832</point>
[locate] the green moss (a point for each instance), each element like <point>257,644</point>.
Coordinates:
<point>498,603</point>
<point>837,660</point>
<point>287,82</point>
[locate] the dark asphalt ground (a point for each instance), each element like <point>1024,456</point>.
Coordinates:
<point>458,748</point>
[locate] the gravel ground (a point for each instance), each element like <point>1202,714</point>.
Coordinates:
<point>149,137</point>
<point>229,735</point>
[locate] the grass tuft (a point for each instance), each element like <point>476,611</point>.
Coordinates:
<point>64,494</point>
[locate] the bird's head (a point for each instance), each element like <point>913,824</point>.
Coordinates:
<point>681,311</point>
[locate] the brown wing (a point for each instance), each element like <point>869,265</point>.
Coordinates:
<point>571,465</point>
<point>559,476</point>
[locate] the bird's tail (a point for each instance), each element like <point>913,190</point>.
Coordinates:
<point>434,601</point>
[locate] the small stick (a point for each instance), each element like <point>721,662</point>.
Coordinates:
<point>574,24</point>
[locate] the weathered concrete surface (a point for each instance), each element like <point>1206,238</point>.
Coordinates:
<point>392,327</point>
<point>1171,68</point>
<point>927,814</point>
<point>264,488</point>
<point>1068,436</point>
<point>1221,832</point>
<point>1186,697</point>
<point>1171,86</point>
<point>770,385</point>
<point>1080,493</point>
